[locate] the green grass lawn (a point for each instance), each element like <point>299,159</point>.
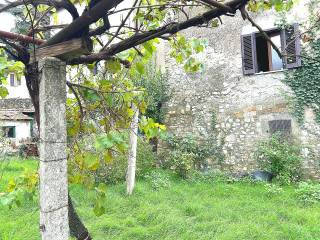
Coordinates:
<point>183,211</point>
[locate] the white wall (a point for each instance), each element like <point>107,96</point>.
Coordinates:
<point>22,130</point>
<point>20,91</point>
<point>6,23</point>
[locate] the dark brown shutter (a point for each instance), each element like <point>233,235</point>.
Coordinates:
<point>248,50</point>
<point>291,46</point>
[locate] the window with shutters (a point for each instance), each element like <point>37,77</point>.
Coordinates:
<point>12,77</point>
<point>281,127</point>
<point>14,80</point>
<point>258,55</point>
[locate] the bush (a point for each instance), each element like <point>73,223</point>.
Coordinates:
<point>199,150</point>
<point>158,179</point>
<point>116,170</point>
<point>308,192</point>
<point>181,162</point>
<point>146,158</point>
<point>280,157</point>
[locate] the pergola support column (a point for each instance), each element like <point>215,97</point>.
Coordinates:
<point>53,156</point>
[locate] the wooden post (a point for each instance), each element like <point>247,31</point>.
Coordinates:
<point>53,157</point>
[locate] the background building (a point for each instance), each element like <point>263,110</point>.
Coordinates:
<point>241,89</point>
<point>16,113</point>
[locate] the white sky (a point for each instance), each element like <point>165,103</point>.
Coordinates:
<point>6,20</point>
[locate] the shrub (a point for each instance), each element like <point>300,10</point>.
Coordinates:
<point>181,162</point>
<point>308,192</point>
<point>280,157</point>
<point>155,84</point>
<point>115,171</point>
<point>201,151</point>
<point>146,158</point>
<point>158,179</point>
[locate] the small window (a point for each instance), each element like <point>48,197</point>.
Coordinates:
<point>281,127</point>
<point>14,80</point>
<point>258,55</point>
<point>9,132</point>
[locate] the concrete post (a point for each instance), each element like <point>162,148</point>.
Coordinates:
<point>53,157</point>
<point>132,156</point>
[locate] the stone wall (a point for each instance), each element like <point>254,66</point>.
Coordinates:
<point>243,104</point>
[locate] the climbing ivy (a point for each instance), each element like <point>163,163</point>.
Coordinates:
<point>305,81</point>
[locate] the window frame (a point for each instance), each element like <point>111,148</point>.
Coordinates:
<point>14,81</point>
<point>12,78</point>
<point>269,32</point>
<point>283,40</point>
<point>6,129</point>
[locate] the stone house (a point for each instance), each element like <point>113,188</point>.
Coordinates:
<point>241,85</point>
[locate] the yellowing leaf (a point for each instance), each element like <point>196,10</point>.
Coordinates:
<point>130,112</point>
<point>108,157</point>
<point>55,18</point>
<point>11,186</point>
<point>94,166</point>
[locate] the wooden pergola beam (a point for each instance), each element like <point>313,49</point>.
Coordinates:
<point>20,38</point>
<point>64,50</point>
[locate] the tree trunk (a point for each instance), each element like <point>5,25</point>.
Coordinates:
<point>77,228</point>
<point>131,172</point>
<point>32,76</point>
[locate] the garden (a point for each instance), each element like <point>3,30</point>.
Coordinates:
<point>177,201</point>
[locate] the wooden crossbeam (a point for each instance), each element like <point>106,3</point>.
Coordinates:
<point>64,50</point>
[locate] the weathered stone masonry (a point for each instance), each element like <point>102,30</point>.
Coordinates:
<point>243,104</point>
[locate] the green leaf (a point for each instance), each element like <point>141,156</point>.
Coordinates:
<point>149,47</point>
<point>91,95</point>
<point>3,92</point>
<point>91,160</point>
<point>113,65</point>
<point>99,210</point>
<point>139,66</point>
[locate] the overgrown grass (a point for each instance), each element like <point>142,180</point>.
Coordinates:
<point>184,210</point>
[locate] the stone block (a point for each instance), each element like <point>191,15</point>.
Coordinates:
<point>51,224</point>
<point>52,174</point>
<point>52,151</point>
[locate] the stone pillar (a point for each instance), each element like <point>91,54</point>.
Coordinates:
<point>53,156</point>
